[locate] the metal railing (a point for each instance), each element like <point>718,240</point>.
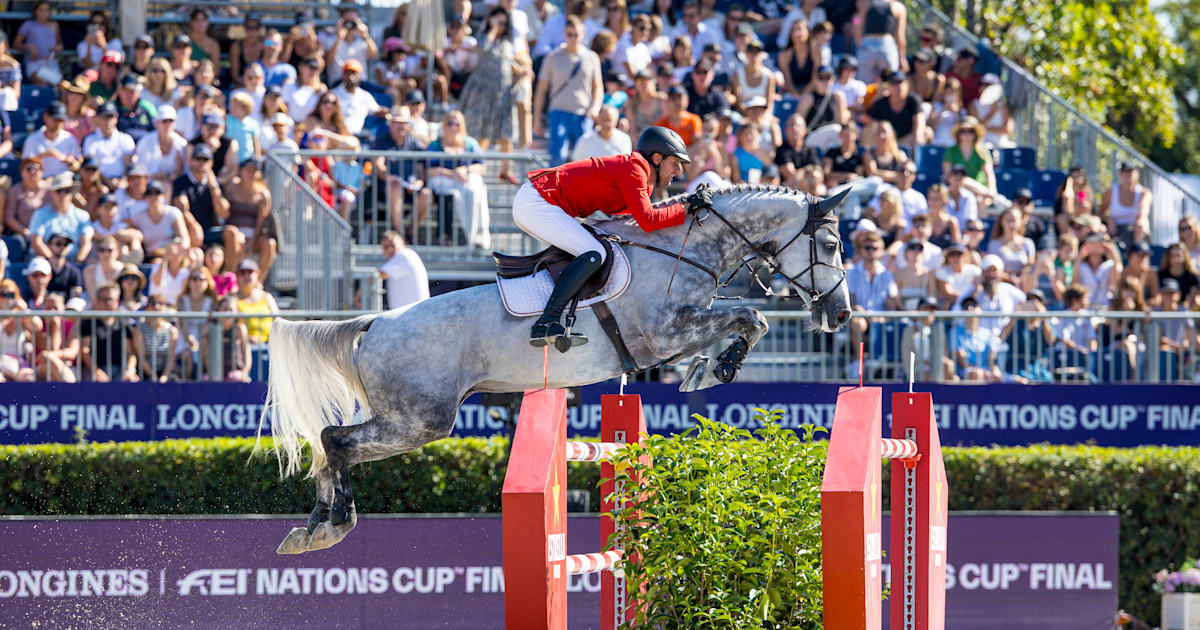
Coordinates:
<point>1007,347</point>
<point>61,10</point>
<point>208,347</point>
<point>963,347</point>
<point>275,13</point>
<point>1062,135</point>
<point>315,244</point>
<point>378,191</point>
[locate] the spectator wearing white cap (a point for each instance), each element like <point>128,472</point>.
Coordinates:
<point>60,216</point>
<point>995,294</point>
<point>162,152</point>
<point>53,144</point>
<point>37,277</point>
<point>112,149</point>
<point>281,136</point>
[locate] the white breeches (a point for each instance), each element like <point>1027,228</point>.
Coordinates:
<point>551,224</point>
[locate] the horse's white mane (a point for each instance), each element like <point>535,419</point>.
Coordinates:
<point>738,189</point>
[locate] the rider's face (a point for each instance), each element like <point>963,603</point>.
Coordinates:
<point>669,169</point>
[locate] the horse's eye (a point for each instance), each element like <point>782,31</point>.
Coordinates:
<point>830,246</point>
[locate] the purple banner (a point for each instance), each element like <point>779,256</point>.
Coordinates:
<point>1011,571</point>
<point>1009,415</point>
<point>1027,570</point>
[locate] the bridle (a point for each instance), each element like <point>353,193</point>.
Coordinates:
<point>819,215</point>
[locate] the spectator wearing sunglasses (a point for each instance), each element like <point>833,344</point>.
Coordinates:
<point>65,277</point>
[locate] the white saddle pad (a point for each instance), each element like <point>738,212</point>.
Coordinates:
<point>527,296</point>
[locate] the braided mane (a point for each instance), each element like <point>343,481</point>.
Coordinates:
<point>742,189</point>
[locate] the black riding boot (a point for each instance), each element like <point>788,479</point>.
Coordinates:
<point>547,329</point>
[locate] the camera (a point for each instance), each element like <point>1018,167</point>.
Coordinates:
<point>93,29</point>
<point>350,25</point>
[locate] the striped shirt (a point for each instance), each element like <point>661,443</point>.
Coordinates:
<point>870,292</point>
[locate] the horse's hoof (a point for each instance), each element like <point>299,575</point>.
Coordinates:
<point>295,542</point>
<point>327,535</point>
<point>726,372</point>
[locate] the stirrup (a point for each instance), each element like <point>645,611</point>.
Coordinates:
<point>568,339</point>
<point>545,333</point>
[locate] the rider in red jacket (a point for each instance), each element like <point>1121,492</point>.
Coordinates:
<point>548,205</point>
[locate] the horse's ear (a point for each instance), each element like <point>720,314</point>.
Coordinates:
<point>829,204</point>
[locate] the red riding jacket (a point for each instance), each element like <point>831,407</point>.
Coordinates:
<point>617,184</point>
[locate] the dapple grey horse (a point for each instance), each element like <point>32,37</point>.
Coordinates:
<point>405,372</point>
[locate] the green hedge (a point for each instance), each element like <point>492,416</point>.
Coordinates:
<point>747,512</point>
<point>1155,490</point>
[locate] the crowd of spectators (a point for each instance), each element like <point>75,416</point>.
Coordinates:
<point>140,182</point>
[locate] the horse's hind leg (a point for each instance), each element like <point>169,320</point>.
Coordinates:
<point>297,540</point>
<point>378,438</point>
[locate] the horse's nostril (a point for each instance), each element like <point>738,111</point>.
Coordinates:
<point>843,316</point>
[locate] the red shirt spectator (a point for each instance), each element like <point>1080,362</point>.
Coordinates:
<point>964,71</point>
<point>678,118</point>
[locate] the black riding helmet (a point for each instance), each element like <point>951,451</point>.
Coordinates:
<point>664,141</point>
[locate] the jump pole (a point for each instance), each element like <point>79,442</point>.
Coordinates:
<point>536,565</point>
<point>851,519</point>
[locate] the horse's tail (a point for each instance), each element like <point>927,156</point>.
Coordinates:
<point>313,384</point>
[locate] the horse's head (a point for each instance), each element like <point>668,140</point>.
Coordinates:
<point>811,260</point>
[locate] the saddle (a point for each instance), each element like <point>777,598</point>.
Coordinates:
<point>554,260</point>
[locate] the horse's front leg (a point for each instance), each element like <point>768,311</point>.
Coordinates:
<point>693,329</point>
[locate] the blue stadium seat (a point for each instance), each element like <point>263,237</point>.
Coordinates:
<point>929,159</point>
<point>374,127</point>
<point>25,121</point>
<point>837,45</point>
<point>844,230</point>
<point>1019,158</point>
<point>1009,181</point>
<point>1044,185</point>
<point>18,140</point>
<point>16,271</point>
<point>784,108</point>
<point>1156,255</point>
<point>16,248</point>
<point>924,180</point>
<point>35,97</point>
<point>11,165</point>
<point>379,92</point>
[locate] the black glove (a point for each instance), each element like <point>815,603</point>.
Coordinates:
<point>699,199</point>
